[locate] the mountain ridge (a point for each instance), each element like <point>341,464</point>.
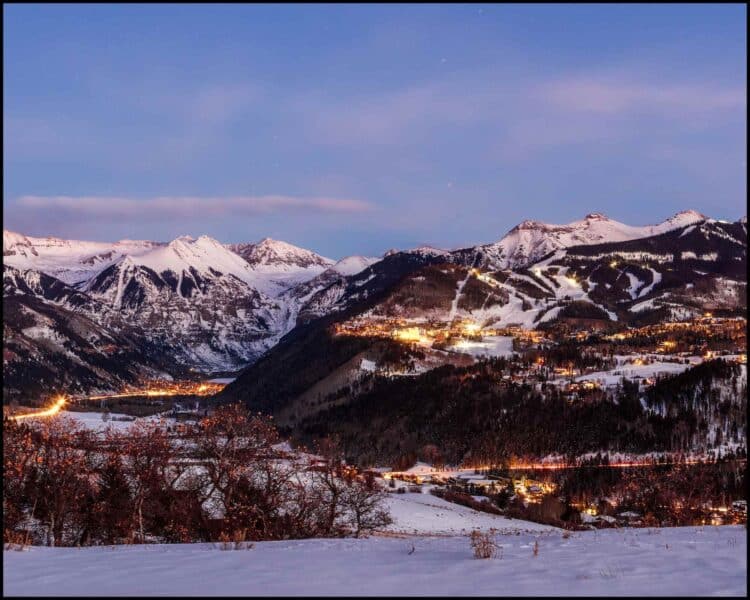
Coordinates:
<point>219,307</point>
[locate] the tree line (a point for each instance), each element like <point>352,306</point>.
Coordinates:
<point>228,477</point>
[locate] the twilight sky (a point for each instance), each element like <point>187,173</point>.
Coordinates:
<point>354,129</point>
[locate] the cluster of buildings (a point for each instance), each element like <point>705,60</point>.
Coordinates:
<point>432,332</point>
<point>531,491</point>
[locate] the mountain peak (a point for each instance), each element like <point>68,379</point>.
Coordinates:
<point>270,252</point>
<point>595,216</point>
<point>690,213</point>
<point>681,219</point>
<point>528,224</point>
<point>183,239</point>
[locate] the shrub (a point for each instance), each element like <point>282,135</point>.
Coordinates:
<point>483,545</point>
<point>235,541</point>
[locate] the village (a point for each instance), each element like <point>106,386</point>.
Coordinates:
<point>482,487</point>
<point>640,354</point>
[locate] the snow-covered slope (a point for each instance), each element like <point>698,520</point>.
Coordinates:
<point>70,261</point>
<point>419,251</point>
<point>425,514</point>
<point>681,561</point>
<point>675,275</point>
<point>531,240</point>
<point>351,265</point>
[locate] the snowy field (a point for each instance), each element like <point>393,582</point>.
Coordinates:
<point>425,514</point>
<point>679,561</point>
<point>93,420</point>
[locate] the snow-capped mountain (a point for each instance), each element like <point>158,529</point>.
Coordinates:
<point>529,241</point>
<point>278,266</point>
<point>70,261</point>
<point>274,252</point>
<point>201,304</point>
<point>194,296</point>
<point>182,266</point>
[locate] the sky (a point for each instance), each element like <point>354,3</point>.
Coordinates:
<point>353,129</point>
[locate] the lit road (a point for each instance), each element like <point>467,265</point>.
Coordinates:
<point>203,389</point>
<point>48,412</point>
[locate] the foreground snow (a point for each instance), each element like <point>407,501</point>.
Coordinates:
<point>680,561</point>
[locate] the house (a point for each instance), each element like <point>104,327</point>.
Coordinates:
<point>629,516</point>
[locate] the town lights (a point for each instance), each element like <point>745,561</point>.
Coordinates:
<point>409,334</point>
<point>471,328</point>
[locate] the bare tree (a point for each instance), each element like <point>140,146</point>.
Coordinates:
<point>363,500</point>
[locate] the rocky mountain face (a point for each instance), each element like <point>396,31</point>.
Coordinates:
<point>193,296</point>
<point>54,339</point>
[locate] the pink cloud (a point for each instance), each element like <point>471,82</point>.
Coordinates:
<point>109,208</point>
<point>612,97</point>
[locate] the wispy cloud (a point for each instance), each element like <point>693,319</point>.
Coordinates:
<point>115,209</point>
<point>609,96</point>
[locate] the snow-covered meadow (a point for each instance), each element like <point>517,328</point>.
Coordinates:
<point>679,561</point>
<point>425,514</point>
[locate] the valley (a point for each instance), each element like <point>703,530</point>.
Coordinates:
<point>507,371</point>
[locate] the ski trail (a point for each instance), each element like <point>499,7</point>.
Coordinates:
<point>120,282</point>
<point>485,301</point>
<point>656,278</point>
<point>454,304</point>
